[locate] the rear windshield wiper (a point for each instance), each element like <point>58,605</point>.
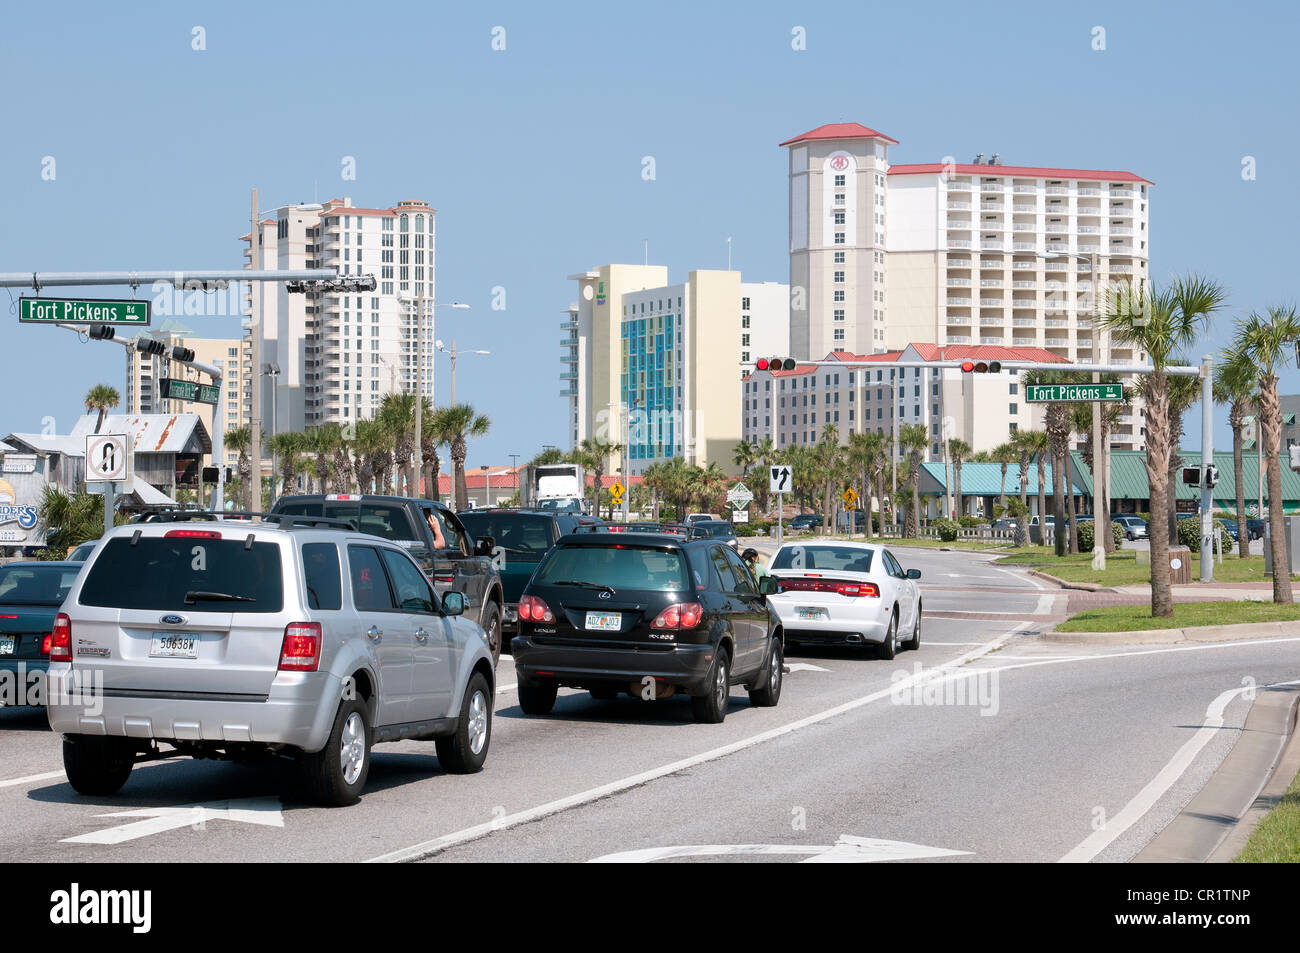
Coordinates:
<point>586,585</point>
<point>195,595</point>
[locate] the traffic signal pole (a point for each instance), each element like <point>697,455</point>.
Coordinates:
<point>1207,460</point>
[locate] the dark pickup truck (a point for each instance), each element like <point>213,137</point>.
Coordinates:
<point>464,565</point>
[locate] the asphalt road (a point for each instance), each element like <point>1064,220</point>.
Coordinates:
<point>998,747</point>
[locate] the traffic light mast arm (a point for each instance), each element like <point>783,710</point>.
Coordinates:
<point>1176,370</point>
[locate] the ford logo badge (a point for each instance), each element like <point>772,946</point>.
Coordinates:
<point>173,619</point>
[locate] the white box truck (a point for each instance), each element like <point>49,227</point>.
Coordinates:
<point>555,486</point>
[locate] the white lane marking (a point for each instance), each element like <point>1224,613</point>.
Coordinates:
<point>846,850</point>
<point>264,811</point>
<point>936,642</point>
<point>804,667</point>
<point>502,689</point>
<point>438,844</point>
<point>1025,578</point>
<point>1045,604</point>
<point>31,779</point>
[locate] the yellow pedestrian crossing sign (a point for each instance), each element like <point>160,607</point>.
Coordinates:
<point>849,497</point>
<point>616,490</point>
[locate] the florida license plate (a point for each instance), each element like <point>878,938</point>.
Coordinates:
<point>806,613</point>
<point>6,645</point>
<point>604,621</point>
<point>174,645</point>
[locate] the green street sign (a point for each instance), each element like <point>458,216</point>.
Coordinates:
<point>83,311</point>
<point>1056,393</point>
<point>173,389</point>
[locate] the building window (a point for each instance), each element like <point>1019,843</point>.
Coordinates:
<point>839,334</point>
<point>839,295</point>
<point>839,218</point>
<point>839,258</point>
<point>839,277</point>
<point>1012,408</point>
<point>839,238</point>
<point>839,181</point>
<point>839,314</point>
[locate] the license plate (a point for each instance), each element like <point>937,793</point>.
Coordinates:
<point>6,645</point>
<point>604,620</point>
<point>806,613</point>
<point>174,645</point>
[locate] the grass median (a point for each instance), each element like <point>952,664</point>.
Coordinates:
<point>1277,838</point>
<point>1122,568</point>
<point>1186,615</point>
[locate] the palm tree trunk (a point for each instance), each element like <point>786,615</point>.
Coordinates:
<point>1243,535</point>
<point>1002,496</point>
<point>1157,464</point>
<point>956,474</point>
<point>1069,497</point>
<point>1042,503</point>
<point>1271,417</point>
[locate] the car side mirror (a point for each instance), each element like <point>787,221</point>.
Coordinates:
<point>767,585</point>
<point>484,546</point>
<point>453,603</point>
<point>914,574</point>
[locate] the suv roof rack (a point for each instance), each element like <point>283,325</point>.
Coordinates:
<point>164,514</point>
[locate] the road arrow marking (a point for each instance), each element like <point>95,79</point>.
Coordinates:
<point>847,850</point>
<point>254,810</point>
<point>804,667</point>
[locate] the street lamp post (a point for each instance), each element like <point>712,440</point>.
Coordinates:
<point>454,354</point>
<point>487,491</point>
<point>419,308</point>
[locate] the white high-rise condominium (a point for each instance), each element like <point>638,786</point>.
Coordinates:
<point>338,353</point>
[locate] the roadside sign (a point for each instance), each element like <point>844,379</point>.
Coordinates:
<point>83,311</point>
<point>108,458</point>
<point>173,389</point>
<point>739,496</point>
<point>616,490</point>
<point>849,497</point>
<point>740,516</point>
<point>780,479</point>
<point>1056,393</point>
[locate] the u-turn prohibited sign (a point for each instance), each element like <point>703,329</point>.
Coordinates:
<point>108,458</point>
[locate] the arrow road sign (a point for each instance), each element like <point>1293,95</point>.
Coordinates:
<point>108,458</point>
<point>264,811</point>
<point>1055,393</point>
<point>846,850</point>
<point>173,389</point>
<point>780,479</point>
<point>83,311</point>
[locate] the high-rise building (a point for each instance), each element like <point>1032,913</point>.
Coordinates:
<point>653,366</point>
<point>332,356</point>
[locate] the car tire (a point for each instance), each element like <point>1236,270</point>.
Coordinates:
<point>769,693</point>
<point>492,628</point>
<point>711,708</point>
<point>97,766</point>
<point>888,648</point>
<point>914,642</point>
<point>538,698</point>
<point>465,751</point>
<point>604,693</point>
<point>336,774</point>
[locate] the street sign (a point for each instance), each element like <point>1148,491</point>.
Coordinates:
<point>740,516</point>
<point>780,479</point>
<point>849,497</point>
<point>173,389</point>
<point>1055,393</point>
<point>616,490</point>
<point>83,311</point>
<point>108,458</point>
<point>739,496</point>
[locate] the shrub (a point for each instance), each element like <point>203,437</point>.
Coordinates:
<point>1189,533</point>
<point>946,528</point>
<point>969,522</point>
<point>1087,540</point>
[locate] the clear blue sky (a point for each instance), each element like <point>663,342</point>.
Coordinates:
<point>532,155</point>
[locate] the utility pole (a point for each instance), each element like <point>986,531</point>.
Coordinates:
<point>255,331</point>
<point>1207,460</point>
<point>419,390</point>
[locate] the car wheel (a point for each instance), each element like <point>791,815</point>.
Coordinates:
<point>604,693</point>
<point>711,708</point>
<point>889,647</point>
<point>769,693</point>
<point>336,774</point>
<point>538,698</point>
<point>96,766</point>
<point>914,642</point>
<point>492,627</point>
<point>465,751</point>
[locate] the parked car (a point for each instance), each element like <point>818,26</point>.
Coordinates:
<point>1003,523</point>
<point>693,518</point>
<point>30,596</point>
<point>720,530</point>
<point>1229,525</point>
<point>242,640</point>
<point>522,538</point>
<point>648,614</point>
<point>1135,527</point>
<point>81,553</point>
<point>846,594</point>
<point>1255,529</point>
<point>464,565</point>
<point>806,521</point>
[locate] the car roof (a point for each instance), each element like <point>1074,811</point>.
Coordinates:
<point>53,563</point>
<point>364,498</point>
<point>613,539</point>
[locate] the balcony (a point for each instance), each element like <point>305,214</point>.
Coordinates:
<point>990,282</point>
<point>991,244</point>
<point>991,302</point>
<point>992,264</point>
<point>1023,227</point>
<point>959,224</point>
<point>1088,248</point>
<point>958,262</point>
<point>1024,208</point>
<point>958,282</point>
<point>991,339</point>
<point>959,205</point>
<point>1024,266</point>
<point>959,243</point>
<point>1024,284</point>
<point>1089,190</point>
<point>1120,229</point>
<point>1024,302</point>
<point>1121,190</point>
<point>958,301</point>
<point>1056,265</point>
<point>1026,189</point>
<point>1057,190</point>
<point>1024,342</point>
<point>992,187</point>
<point>1121,249</point>
<point>1023,246</point>
<point>1024,322</point>
<point>959,185</point>
<point>1083,324</point>
<point>1056,323</point>
<point>958,338</point>
<point>1083,286</point>
<point>1120,211</point>
<point>1056,228</point>
<point>1088,229</point>
<point>569,376</point>
<point>958,319</point>
<point>1084,342</point>
<point>1121,269</point>
<point>568,342</point>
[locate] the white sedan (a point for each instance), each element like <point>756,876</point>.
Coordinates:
<point>838,593</point>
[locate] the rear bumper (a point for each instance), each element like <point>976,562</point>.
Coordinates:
<point>578,666</point>
<point>298,712</point>
<point>839,625</point>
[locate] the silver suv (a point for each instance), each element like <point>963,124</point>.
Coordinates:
<point>290,636</point>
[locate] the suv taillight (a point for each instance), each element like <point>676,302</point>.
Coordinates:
<point>532,609</point>
<point>60,639</point>
<point>300,651</point>
<point>683,615</point>
<point>191,534</point>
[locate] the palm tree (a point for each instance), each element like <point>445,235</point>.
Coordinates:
<point>958,451</point>
<point>460,422</point>
<point>1004,453</point>
<point>766,455</point>
<point>865,450</point>
<point>592,454</point>
<point>829,455</point>
<point>367,444</point>
<point>1183,392</point>
<point>240,439</point>
<point>745,456</point>
<point>1264,340</point>
<point>1161,322</point>
<point>397,414</point>
<point>342,468</point>
<point>548,456</point>
<point>913,439</point>
<point>100,398</point>
<point>288,445</point>
<point>321,441</point>
<point>1034,444</point>
<point>1236,385</point>
<point>1081,421</point>
<point>433,439</point>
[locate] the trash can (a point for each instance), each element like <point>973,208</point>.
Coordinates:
<point>1290,528</point>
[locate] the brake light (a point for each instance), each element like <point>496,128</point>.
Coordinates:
<point>191,534</point>
<point>683,615</point>
<point>447,577</point>
<point>867,589</point>
<point>300,651</point>
<point>346,497</point>
<point>60,639</point>
<point>45,645</point>
<point>533,609</point>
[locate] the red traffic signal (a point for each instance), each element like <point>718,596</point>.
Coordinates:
<point>775,364</point>
<point>981,367</point>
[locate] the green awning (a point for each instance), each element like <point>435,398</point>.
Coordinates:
<point>1288,418</point>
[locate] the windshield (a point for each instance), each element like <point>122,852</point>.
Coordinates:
<point>178,574</point>
<point>619,567</point>
<point>716,530</point>
<point>35,585</point>
<point>842,558</point>
<point>560,506</point>
<point>514,532</point>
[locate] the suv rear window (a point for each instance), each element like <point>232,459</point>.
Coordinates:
<point>620,567</point>
<point>157,573</point>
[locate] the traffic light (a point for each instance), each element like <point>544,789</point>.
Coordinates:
<point>101,332</point>
<point>981,367</point>
<point>1211,476</point>
<point>775,364</point>
<point>1191,476</point>
<point>149,346</point>
<point>183,354</point>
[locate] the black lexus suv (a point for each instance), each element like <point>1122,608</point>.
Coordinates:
<point>649,614</point>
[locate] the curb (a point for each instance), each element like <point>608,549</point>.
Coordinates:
<point>1196,633</point>
<point>1215,824</point>
<point>1064,584</point>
